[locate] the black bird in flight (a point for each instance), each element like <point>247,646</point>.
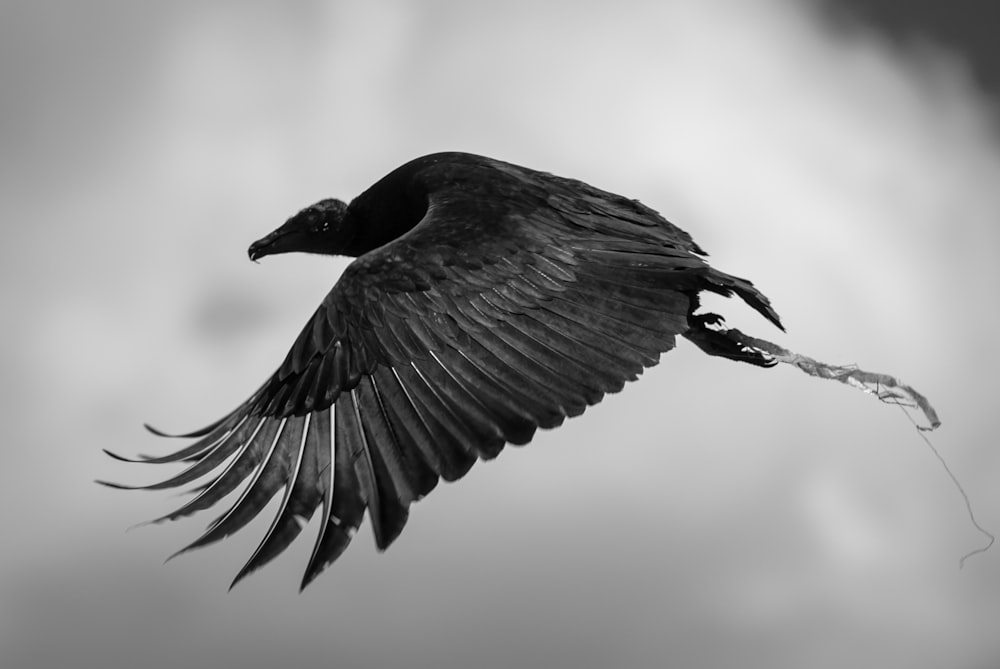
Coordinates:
<point>486,300</point>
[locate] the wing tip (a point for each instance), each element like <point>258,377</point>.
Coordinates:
<point>312,571</point>
<point>113,485</point>
<point>194,433</point>
<point>124,458</point>
<point>239,577</point>
<point>190,547</point>
<point>160,433</point>
<point>720,341</point>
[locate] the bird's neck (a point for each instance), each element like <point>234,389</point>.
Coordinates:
<point>383,213</point>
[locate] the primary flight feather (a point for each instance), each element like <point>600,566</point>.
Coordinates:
<point>486,300</point>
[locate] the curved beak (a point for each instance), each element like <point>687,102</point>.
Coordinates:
<point>264,246</point>
<point>257,250</point>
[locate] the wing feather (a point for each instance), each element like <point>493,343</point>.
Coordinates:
<point>267,477</point>
<point>211,455</point>
<point>296,502</point>
<point>508,385</point>
<point>234,473</point>
<point>453,438</point>
<point>395,440</point>
<point>598,364</point>
<point>489,434</point>
<point>539,378</point>
<point>423,447</point>
<point>322,437</point>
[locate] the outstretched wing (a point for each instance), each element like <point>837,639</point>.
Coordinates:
<point>466,334</point>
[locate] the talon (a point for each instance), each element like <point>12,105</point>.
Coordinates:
<point>708,319</point>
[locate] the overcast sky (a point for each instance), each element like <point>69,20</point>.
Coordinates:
<point>712,514</point>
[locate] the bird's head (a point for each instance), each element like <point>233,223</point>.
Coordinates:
<point>324,227</point>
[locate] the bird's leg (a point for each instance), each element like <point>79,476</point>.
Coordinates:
<point>709,333</point>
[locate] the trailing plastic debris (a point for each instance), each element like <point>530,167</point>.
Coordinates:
<point>886,388</point>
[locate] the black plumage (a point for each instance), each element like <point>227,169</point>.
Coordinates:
<point>486,300</point>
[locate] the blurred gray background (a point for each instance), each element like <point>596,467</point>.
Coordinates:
<point>845,158</point>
